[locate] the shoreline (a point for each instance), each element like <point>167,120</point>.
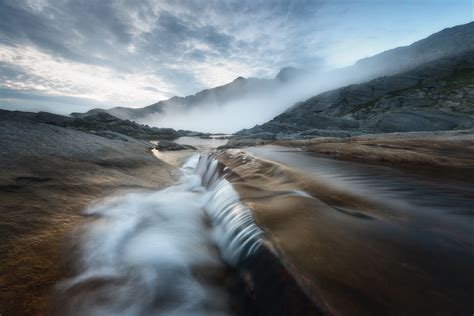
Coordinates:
<point>450,149</point>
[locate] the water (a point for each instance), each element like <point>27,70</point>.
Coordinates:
<point>366,239</point>
<point>203,143</point>
<point>169,252</point>
<point>423,198</point>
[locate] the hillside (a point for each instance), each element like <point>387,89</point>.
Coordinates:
<point>438,95</point>
<point>448,42</point>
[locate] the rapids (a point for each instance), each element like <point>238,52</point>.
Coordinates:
<point>148,253</point>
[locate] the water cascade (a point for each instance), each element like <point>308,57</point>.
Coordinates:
<point>152,252</point>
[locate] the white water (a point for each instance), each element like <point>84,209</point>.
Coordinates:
<point>145,251</point>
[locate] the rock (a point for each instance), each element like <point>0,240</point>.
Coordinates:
<point>102,124</point>
<point>166,145</point>
<point>414,121</point>
<point>324,133</point>
<point>262,136</point>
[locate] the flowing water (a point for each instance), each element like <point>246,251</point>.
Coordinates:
<point>366,239</point>
<point>150,253</point>
<point>177,158</point>
<point>424,197</point>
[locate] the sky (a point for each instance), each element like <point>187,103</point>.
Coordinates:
<point>73,55</point>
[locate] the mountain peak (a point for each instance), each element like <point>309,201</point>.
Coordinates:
<point>288,73</point>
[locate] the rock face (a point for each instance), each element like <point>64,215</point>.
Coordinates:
<point>438,95</point>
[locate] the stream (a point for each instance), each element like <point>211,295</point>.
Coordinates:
<point>195,248</point>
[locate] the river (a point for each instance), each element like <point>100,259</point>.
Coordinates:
<point>358,239</point>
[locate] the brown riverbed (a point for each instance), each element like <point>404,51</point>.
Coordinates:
<point>368,239</point>
<point>453,149</point>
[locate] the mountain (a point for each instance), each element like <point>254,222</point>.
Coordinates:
<point>240,88</point>
<point>438,95</point>
<point>245,102</point>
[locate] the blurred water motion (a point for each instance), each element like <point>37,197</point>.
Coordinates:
<point>365,239</point>
<point>148,253</point>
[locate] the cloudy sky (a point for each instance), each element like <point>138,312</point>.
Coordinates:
<point>72,55</point>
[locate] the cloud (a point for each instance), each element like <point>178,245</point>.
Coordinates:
<point>114,51</point>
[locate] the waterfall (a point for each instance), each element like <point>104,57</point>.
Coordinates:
<point>234,229</point>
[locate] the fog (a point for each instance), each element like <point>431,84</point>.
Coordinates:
<point>247,111</point>
<point>266,99</point>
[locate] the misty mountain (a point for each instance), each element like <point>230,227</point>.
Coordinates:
<point>240,88</point>
<point>248,101</point>
<point>438,95</point>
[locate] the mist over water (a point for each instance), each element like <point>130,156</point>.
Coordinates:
<point>148,253</point>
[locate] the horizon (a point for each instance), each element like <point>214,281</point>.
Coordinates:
<point>40,73</point>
